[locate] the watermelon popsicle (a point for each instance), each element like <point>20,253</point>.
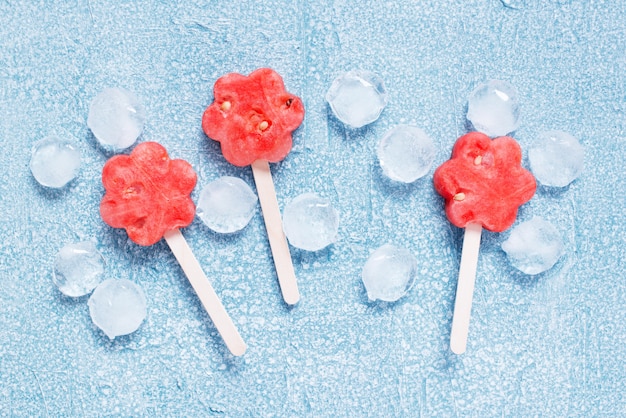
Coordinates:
<point>148,194</point>
<point>483,185</point>
<point>252,117</point>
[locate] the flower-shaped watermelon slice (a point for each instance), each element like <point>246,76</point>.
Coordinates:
<point>252,117</point>
<point>147,193</point>
<point>484,182</point>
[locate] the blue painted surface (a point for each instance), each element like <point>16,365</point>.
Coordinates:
<point>551,345</point>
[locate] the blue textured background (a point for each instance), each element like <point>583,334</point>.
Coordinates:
<point>550,345</point>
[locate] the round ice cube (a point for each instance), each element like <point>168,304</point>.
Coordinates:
<point>310,222</point>
<point>357,98</point>
<point>117,307</point>
<point>534,246</point>
<point>55,161</point>
<point>226,205</point>
<point>556,158</point>
<point>493,108</point>
<point>78,268</point>
<point>406,153</point>
<point>389,273</point>
<point>116,118</point>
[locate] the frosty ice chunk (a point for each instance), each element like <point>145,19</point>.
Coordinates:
<point>55,161</point>
<point>310,222</point>
<point>493,108</point>
<point>116,118</point>
<point>406,153</point>
<point>514,4</point>
<point>357,98</point>
<point>78,268</point>
<point>389,273</point>
<point>226,205</point>
<point>117,307</point>
<point>556,158</point>
<point>534,246</point>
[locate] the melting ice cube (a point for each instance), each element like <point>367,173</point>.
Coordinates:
<point>117,307</point>
<point>514,4</point>
<point>55,161</point>
<point>493,108</point>
<point>406,153</point>
<point>556,158</point>
<point>310,222</point>
<point>116,118</point>
<point>226,205</point>
<point>389,273</point>
<point>534,246</point>
<point>357,98</point>
<point>78,268</point>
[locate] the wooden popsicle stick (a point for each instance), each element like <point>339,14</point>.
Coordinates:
<point>205,292</point>
<point>465,288</point>
<point>273,224</point>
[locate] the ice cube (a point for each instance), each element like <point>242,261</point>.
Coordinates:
<point>78,268</point>
<point>226,205</point>
<point>514,4</point>
<point>389,273</point>
<point>117,307</point>
<point>493,108</point>
<point>556,158</point>
<point>55,161</point>
<point>406,153</point>
<point>357,98</point>
<point>534,246</point>
<point>116,118</point>
<point>310,222</point>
